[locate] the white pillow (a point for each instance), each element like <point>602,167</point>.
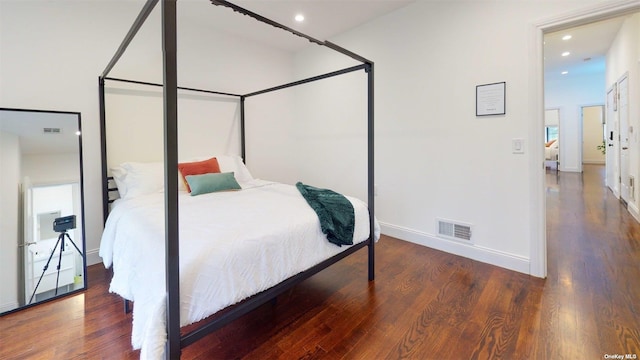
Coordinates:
<point>119,174</point>
<point>230,163</point>
<point>140,179</point>
<point>233,163</point>
<point>135,179</point>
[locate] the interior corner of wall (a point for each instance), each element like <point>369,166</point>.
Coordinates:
<point>633,209</point>
<point>93,257</point>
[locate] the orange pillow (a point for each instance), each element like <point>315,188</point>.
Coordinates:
<point>198,168</point>
<point>549,143</point>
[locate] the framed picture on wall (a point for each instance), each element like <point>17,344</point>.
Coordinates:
<point>490,99</point>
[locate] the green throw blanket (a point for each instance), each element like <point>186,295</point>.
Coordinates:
<point>336,214</point>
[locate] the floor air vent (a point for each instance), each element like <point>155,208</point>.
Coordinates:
<point>453,230</point>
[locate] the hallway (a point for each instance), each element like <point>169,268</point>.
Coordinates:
<point>592,294</point>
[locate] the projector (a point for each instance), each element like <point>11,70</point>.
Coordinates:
<point>62,224</point>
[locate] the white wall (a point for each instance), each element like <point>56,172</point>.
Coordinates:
<point>208,59</point>
<point>208,125</point>
<point>325,143</point>
<point>51,168</point>
<point>569,94</point>
<point>551,117</point>
<point>271,144</point>
<point>434,157</point>
<point>624,57</point>
<point>9,212</point>
<point>52,52</point>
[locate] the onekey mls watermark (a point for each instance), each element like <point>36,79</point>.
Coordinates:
<point>620,356</point>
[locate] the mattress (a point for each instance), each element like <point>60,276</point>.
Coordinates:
<point>232,245</point>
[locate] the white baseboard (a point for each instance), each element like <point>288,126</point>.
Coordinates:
<point>471,251</point>
<point>634,211</point>
<point>93,257</point>
<point>9,307</point>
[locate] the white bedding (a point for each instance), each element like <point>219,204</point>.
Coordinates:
<point>232,245</point>
<point>551,151</point>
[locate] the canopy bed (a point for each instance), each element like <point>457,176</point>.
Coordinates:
<point>173,227</point>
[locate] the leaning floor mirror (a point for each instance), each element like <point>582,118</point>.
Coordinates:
<point>41,207</point>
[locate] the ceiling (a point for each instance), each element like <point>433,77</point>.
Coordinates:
<point>588,47</point>
<point>29,127</point>
<point>323,18</point>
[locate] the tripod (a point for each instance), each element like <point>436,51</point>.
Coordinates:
<point>60,241</point>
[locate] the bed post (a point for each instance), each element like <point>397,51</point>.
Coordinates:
<point>169,50</point>
<point>103,149</point>
<point>371,173</point>
<point>242,135</point>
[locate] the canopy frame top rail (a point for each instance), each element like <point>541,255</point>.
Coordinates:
<point>263,19</point>
<point>150,5</point>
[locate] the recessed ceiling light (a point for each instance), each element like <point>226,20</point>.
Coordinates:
<point>566,37</point>
<point>564,72</point>
<point>299,18</point>
<point>566,53</point>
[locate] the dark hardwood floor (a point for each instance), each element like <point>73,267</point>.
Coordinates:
<point>424,304</point>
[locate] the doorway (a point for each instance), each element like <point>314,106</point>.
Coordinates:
<point>46,275</point>
<point>593,140</point>
<point>611,131</point>
<point>579,17</point>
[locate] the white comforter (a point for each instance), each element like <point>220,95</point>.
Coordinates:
<point>551,152</point>
<point>232,245</point>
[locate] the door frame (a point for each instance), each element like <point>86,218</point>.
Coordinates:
<point>611,162</point>
<point>621,184</point>
<point>589,14</point>
<point>29,239</point>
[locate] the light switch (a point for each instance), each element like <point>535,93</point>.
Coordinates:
<point>517,146</point>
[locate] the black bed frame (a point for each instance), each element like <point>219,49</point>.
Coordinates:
<point>175,342</point>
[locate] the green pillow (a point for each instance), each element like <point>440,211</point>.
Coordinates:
<point>212,182</point>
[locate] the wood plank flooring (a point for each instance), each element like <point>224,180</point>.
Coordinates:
<point>424,304</point>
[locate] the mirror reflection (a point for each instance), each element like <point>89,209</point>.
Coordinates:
<point>41,216</point>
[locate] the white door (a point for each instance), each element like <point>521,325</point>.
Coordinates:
<point>592,135</point>
<point>612,148</point>
<point>623,118</point>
